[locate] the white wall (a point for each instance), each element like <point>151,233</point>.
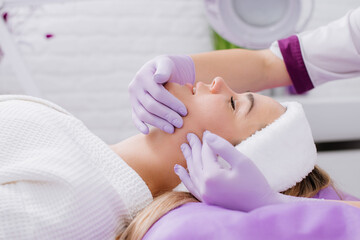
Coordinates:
<point>97,49</point>
<point>343,167</point>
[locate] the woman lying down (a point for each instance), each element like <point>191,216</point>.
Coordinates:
<point>273,162</point>
<point>60,181</point>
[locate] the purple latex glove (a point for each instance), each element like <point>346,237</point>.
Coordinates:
<point>241,186</point>
<point>151,102</point>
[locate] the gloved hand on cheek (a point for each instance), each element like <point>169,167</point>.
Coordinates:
<point>151,102</point>
<point>241,186</point>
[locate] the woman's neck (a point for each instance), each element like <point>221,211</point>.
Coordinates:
<point>153,157</point>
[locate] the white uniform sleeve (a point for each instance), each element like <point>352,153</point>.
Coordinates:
<point>332,52</point>
<point>327,53</point>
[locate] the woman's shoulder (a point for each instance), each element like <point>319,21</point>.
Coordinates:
<point>25,100</point>
<point>333,193</point>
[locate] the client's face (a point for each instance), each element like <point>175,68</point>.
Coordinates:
<point>217,108</point>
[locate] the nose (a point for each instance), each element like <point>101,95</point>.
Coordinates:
<point>219,85</point>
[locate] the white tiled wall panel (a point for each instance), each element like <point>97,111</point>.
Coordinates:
<point>97,49</point>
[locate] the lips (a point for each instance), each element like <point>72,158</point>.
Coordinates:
<point>191,88</point>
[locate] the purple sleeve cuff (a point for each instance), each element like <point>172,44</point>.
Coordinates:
<point>294,62</point>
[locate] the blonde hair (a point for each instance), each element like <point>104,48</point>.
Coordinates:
<point>155,210</point>
<point>308,187</point>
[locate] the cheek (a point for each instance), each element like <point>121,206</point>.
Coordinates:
<point>215,117</point>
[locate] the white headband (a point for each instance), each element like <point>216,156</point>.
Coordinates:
<point>284,151</point>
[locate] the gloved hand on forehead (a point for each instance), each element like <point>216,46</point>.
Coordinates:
<point>241,186</point>
<point>151,102</point>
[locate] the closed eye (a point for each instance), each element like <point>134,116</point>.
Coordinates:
<point>232,102</point>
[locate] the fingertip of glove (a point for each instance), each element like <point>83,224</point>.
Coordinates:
<point>156,77</point>
<point>189,137</point>
<point>206,132</point>
<point>208,136</point>
<point>169,129</point>
<point>143,129</point>
<point>177,169</point>
<point>182,147</point>
<point>159,78</point>
<point>183,111</point>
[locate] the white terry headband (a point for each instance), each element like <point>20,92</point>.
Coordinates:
<point>284,151</point>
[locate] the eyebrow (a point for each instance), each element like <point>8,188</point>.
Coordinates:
<point>250,97</point>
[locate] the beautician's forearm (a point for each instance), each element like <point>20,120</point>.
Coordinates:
<point>243,70</point>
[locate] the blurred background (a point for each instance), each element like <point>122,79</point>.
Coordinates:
<point>83,54</point>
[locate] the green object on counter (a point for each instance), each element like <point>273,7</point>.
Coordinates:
<point>220,43</point>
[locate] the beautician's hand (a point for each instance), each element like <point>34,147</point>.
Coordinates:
<point>239,187</point>
<point>151,102</point>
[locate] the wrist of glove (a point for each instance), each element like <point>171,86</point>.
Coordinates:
<point>183,69</point>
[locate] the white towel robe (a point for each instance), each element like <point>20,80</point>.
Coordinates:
<point>57,179</point>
